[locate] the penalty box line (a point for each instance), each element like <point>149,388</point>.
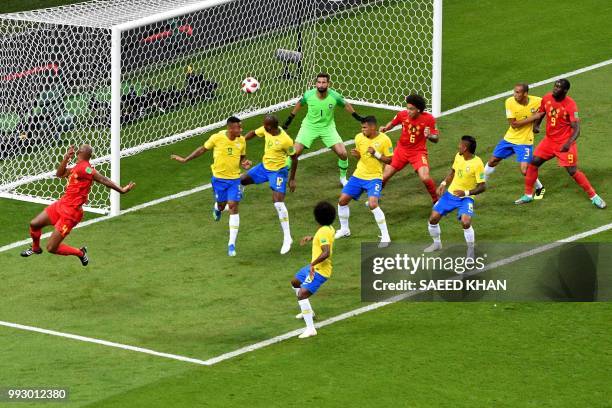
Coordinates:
<point>293,333</point>
<point>186,193</point>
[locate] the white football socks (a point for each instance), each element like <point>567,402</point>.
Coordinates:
<point>488,170</point>
<point>434,231</point>
<point>283,217</point>
<point>234,224</point>
<point>307,313</point>
<point>343,214</point>
<point>469,236</point>
<point>379,216</point>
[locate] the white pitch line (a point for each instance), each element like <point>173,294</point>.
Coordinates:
<point>103,342</point>
<point>395,299</point>
<point>534,85</point>
<point>17,244</point>
<point>293,333</point>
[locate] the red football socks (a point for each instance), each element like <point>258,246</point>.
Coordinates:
<point>530,178</point>
<point>35,234</point>
<point>583,181</point>
<point>431,188</point>
<point>66,250</point>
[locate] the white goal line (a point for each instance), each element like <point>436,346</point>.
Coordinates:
<point>293,333</point>
<point>17,244</point>
<point>327,322</point>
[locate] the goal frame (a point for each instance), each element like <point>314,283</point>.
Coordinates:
<point>116,62</point>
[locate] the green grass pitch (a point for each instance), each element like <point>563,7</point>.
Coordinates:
<point>160,278</point>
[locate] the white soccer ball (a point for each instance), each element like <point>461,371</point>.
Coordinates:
<point>250,85</point>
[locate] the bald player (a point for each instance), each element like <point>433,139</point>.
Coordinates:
<point>67,212</point>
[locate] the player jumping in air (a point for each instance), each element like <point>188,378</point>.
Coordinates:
<point>562,130</point>
<point>310,278</point>
<point>229,153</point>
<point>466,179</point>
<point>319,121</point>
<point>374,150</point>
<point>521,112</point>
<point>418,126</point>
<point>67,212</point>
<point>274,171</point>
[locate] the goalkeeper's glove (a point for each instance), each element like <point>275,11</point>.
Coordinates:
<point>288,121</point>
<point>358,117</point>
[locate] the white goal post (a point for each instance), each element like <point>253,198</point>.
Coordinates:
<point>127,76</point>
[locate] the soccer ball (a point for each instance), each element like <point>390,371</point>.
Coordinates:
<point>250,85</point>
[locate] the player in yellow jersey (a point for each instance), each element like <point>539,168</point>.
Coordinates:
<point>310,278</point>
<point>466,179</point>
<point>521,109</point>
<point>274,171</point>
<point>229,153</point>
<point>374,149</point>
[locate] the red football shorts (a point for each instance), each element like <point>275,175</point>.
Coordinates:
<point>64,218</point>
<point>403,156</point>
<point>548,149</point>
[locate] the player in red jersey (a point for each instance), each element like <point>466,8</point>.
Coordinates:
<point>417,127</point>
<point>562,130</point>
<point>67,212</point>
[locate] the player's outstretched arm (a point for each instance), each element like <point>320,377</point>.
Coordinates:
<point>62,169</point>
<point>294,112</point>
<point>196,153</point>
<point>349,108</point>
<point>110,184</point>
<point>386,128</point>
<point>480,188</point>
<point>249,135</point>
<point>305,240</point>
<point>515,124</point>
<point>538,121</point>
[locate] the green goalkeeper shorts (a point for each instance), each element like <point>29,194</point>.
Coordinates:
<point>328,136</point>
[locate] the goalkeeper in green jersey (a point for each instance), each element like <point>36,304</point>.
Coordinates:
<point>319,121</point>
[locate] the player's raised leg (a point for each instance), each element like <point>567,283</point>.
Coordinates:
<point>36,225</point>
<point>283,216</point>
<point>56,246</point>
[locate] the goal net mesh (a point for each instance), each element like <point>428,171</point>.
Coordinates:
<point>181,76</point>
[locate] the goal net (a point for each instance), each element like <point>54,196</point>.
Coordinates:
<point>128,76</point>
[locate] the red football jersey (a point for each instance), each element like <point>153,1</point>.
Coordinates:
<point>79,184</point>
<point>413,130</point>
<point>559,116</point>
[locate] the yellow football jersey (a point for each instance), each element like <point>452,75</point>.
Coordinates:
<point>324,236</point>
<point>277,149</point>
<point>226,154</point>
<point>514,110</point>
<point>468,173</point>
<point>369,167</point>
